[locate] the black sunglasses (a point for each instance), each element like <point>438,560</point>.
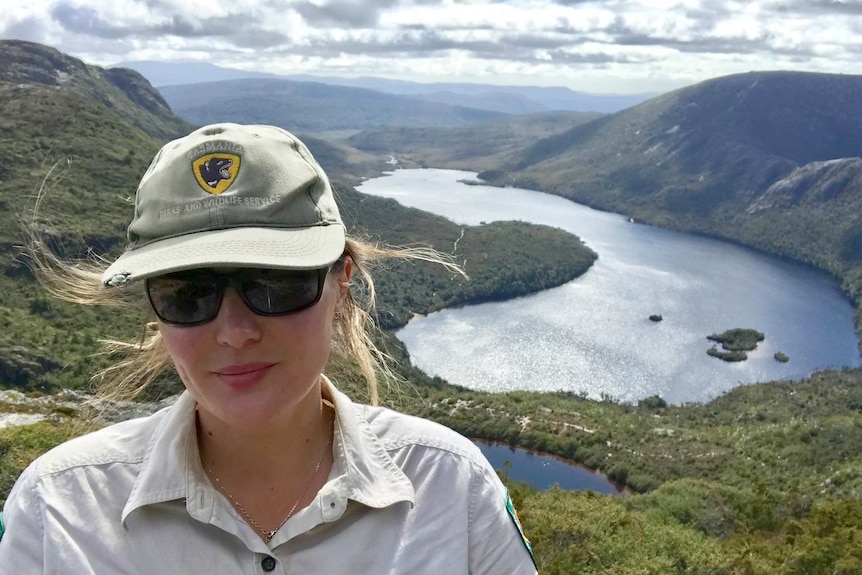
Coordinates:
<point>193,297</point>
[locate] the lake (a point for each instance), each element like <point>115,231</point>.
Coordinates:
<point>593,334</point>
<point>543,471</point>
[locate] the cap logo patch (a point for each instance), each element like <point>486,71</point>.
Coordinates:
<point>215,173</point>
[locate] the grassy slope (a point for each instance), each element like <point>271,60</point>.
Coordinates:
<point>88,158</point>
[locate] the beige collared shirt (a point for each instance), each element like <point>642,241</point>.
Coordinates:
<point>405,496</point>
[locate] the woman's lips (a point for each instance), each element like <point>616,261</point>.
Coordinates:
<point>243,376</point>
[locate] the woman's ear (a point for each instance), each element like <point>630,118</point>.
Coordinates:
<point>344,277</point>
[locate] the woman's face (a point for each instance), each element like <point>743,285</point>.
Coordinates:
<point>248,370</point>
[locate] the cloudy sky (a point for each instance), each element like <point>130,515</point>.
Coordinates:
<point>621,46</point>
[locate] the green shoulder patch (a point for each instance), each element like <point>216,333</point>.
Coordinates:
<point>2,529</point>
<point>510,507</point>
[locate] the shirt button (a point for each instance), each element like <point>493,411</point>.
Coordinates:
<point>267,563</point>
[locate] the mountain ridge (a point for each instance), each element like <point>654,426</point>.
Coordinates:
<point>122,90</point>
<point>509,99</point>
<point>711,123</point>
<point>310,107</point>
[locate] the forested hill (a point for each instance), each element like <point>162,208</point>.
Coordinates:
<point>769,159</point>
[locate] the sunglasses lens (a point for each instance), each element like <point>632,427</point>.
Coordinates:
<point>184,298</point>
<point>193,297</point>
<point>279,292</point>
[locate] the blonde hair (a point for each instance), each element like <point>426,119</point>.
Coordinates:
<point>137,364</point>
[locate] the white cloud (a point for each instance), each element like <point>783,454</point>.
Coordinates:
<point>611,45</point>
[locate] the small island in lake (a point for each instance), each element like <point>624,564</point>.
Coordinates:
<point>781,356</point>
<point>735,343</point>
<point>470,182</point>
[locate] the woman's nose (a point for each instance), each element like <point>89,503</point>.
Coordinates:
<point>236,324</point>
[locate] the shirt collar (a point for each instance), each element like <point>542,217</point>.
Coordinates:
<point>171,468</point>
<point>372,478</point>
<point>166,472</point>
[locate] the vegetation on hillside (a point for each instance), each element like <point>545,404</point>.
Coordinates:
<point>502,259</point>
<point>764,479</point>
<point>89,159</point>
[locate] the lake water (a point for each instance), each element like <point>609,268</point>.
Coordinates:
<point>543,471</point>
<point>593,334</point>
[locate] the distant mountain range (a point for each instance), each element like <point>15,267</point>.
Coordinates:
<point>310,107</point>
<point>475,147</point>
<point>503,99</point>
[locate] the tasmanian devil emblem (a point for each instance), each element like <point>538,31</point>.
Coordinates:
<point>215,170</point>
<point>215,173</point>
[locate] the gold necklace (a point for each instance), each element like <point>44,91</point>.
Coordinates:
<point>268,535</point>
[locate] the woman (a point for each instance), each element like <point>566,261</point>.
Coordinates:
<point>261,465</point>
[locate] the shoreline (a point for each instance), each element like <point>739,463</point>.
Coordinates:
<point>841,279</point>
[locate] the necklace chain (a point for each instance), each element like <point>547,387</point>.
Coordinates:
<point>268,535</point>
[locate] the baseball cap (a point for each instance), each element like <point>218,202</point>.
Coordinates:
<point>231,195</point>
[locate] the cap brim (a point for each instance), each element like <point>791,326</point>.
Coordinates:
<point>276,248</point>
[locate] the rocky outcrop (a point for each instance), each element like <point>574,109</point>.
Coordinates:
<point>813,183</point>
<point>24,368</point>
